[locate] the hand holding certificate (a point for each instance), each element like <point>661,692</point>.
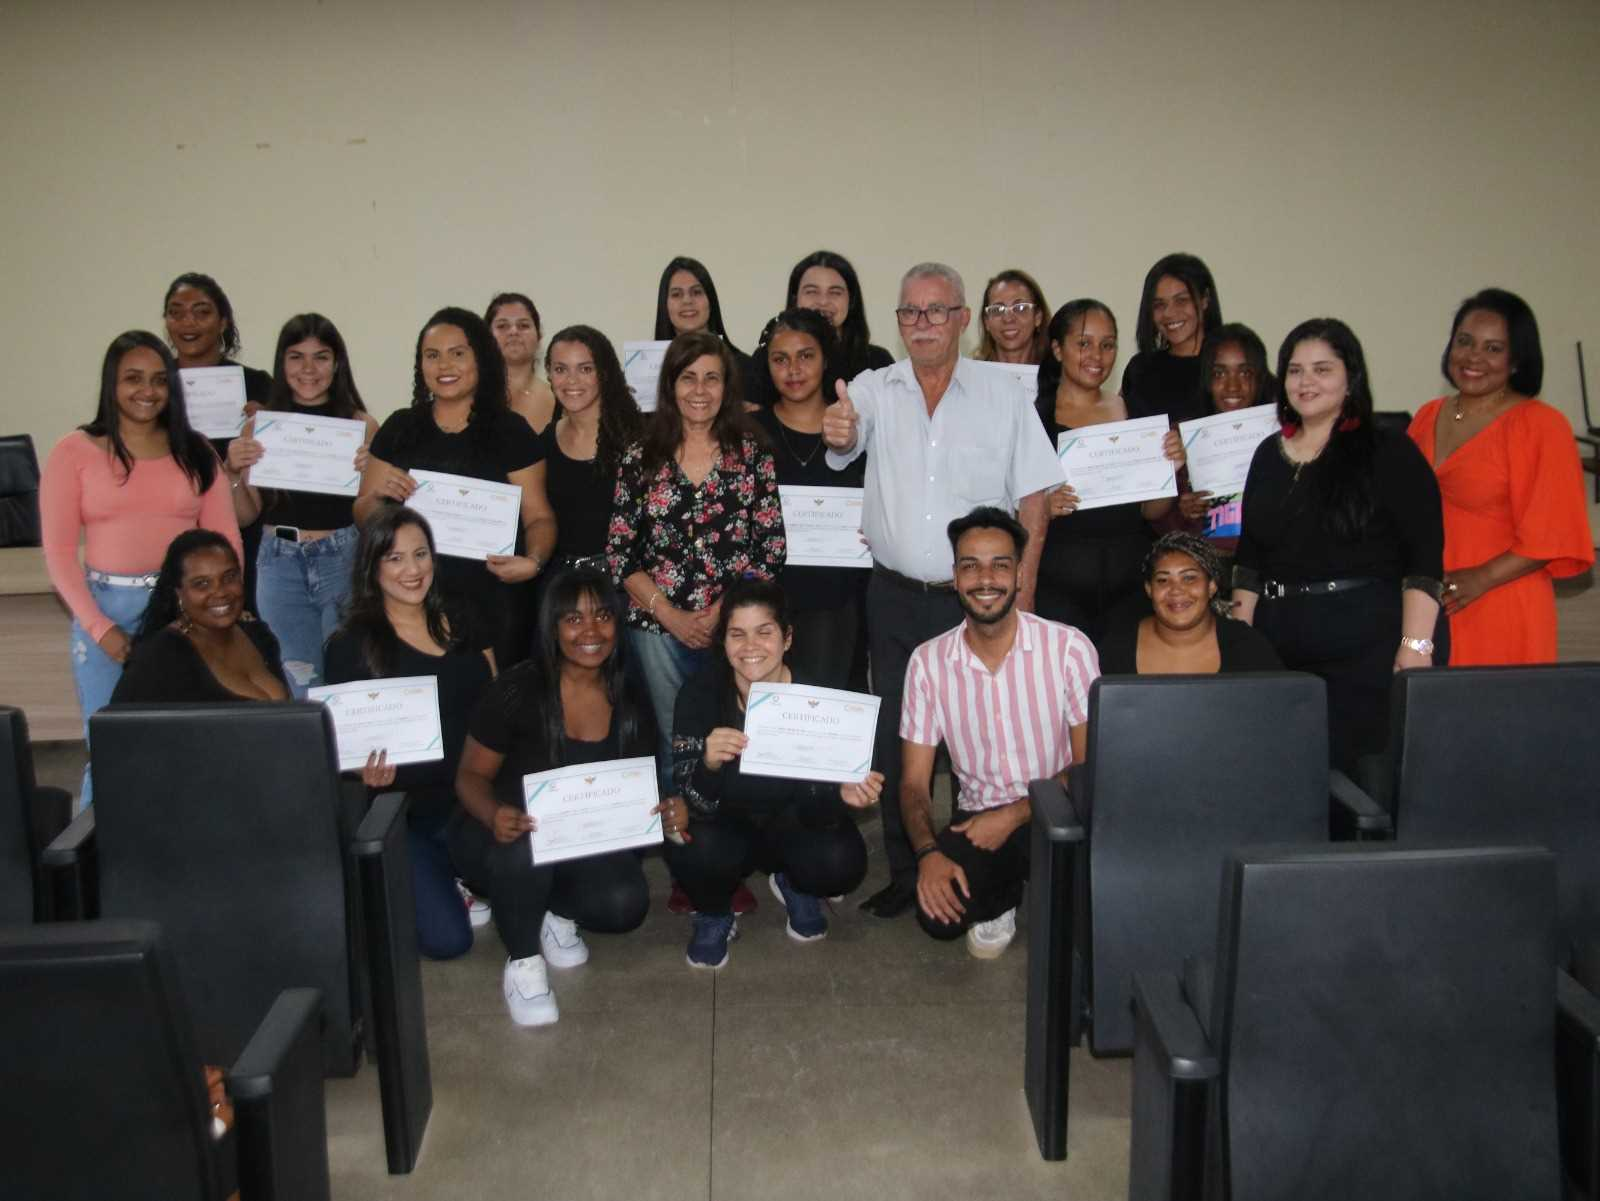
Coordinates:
<point>822,527</point>
<point>214,398</point>
<point>641,368</point>
<point>398,716</point>
<point>1117,462</point>
<point>803,733</point>
<point>1220,447</point>
<point>592,808</point>
<point>302,452</point>
<point>471,518</point>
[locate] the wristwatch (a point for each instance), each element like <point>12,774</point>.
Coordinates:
<point>1423,646</point>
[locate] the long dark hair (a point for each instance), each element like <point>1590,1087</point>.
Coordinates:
<point>488,400</point>
<point>621,422</point>
<point>1522,337</point>
<point>696,268</point>
<point>1060,325</point>
<point>365,616</point>
<point>742,594</point>
<point>815,326</point>
<point>190,450</point>
<point>854,335</point>
<point>1039,346</point>
<point>1202,289</point>
<point>162,610</point>
<point>663,433</point>
<point>1255,357</point>
<point>1344,480</point>
<point>344,398</point>
<point>231,340</point>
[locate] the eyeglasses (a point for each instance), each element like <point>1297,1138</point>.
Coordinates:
<point>1017,308</point>
<point>937,314</point>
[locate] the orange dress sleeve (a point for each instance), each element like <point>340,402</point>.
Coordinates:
<point>1549,513</point>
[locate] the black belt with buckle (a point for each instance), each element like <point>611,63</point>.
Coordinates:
<point>911,585</point>
<point>1277,590</point>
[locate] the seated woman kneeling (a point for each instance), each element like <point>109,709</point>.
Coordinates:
<point>1189,630</point>
<point>196,642</point>
<point>798,830</point>
<point>569,703</point>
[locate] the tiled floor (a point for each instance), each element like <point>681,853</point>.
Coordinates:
<point>874,1065</point>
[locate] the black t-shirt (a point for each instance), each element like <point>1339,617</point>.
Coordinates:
<point>509,720</point>
<point>165,668</point>
<point>801,459</point>
<point>463,676</point>
<point>1155,382</point>
<point>306,510</point>
<point>580,494</point>
<point>1242,647</point>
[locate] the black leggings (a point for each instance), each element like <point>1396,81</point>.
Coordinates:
<point>994,878</point>
<point>605,894</point>
<point>815,844</point>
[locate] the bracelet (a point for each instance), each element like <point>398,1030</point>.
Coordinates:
<point>651,607</point>
<point>926,851</point>
<point>1423,646</point>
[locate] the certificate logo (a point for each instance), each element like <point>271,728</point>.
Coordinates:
<point>1115,437</point>
<point>372,696</point>
<point>813,704</point>
<point>588,779</point>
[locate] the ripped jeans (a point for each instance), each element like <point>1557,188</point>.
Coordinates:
<point>301,588</point>
<point>95,673</point>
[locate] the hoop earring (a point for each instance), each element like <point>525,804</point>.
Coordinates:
<point>185,623</point>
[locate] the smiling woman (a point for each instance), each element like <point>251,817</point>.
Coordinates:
<point>1178,310</point>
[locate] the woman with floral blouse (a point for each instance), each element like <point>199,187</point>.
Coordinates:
<point>696,508</point>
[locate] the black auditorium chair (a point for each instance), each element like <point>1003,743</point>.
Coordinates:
<point>105,1092</point>
<point>19,491</point>
<point>1380,1023</point>
<point>1180,770</point>
<point>30,816</point>
<point>230,826</point>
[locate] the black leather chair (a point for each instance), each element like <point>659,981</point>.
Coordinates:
<point>105,1093</point>
<point>230,826</point>
<point>19,491</point>
<point>30,816</point>
<point>1180,770</point>
<point>1380,1024</point>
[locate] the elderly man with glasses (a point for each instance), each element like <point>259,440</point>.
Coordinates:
<point>941,437</point>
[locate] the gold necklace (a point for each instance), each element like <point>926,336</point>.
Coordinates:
<point>1489,407</point>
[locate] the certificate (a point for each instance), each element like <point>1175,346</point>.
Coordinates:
<point>214,399</point>
<point>1221,446</point>
<point>592,808</point>
<point>306,453</point>
<point>641,367</point>
<point>822,527</point>
<point>1118,462</point>
<point>471,518</point>
<point>1026,374</point>
<point>805,733</point>
<point>398,716</point>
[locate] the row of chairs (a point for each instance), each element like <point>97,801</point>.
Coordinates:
<point>1184,772</point>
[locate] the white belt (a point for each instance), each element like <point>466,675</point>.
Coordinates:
<point>121,581</point>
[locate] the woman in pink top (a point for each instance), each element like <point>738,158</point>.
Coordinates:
<point>127,483</point>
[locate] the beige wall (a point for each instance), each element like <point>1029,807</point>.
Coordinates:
<point>375,160</point>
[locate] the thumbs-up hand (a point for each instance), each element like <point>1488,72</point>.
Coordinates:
<point>839,420</point>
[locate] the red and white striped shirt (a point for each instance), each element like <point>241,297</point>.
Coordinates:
<point>1007,727</point>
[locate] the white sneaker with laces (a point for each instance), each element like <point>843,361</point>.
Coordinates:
<point>528,994</point>
<point>988,940</point>
<point>477,910</point>
<point>561,943</point>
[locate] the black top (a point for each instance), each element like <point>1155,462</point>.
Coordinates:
<point>709,700</point>
<point>1064,535</point>
<point>1156,382</point>
<point>1285,538</point>
<point>463,676</point>
<point>1243,648</point>
<point>801,459</point>
<point>510,721</point>
<point>306,510</point>
<point>165,668</point>
<point>580,495</point>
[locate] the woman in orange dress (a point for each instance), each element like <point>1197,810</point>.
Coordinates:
<point>1515,517</point>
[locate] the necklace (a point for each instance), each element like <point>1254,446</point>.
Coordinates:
<point>1299,465</point>
<point>789,446</point>
<point>1489,407</point>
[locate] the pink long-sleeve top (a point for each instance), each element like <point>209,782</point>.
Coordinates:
<point>126,524</point>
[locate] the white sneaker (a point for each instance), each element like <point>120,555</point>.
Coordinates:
<point>528,994</point>
<point>560,941</point>
<point>477,910</point>
<point>988,940</point>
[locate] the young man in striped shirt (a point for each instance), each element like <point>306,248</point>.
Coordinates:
<point>1008,693</point>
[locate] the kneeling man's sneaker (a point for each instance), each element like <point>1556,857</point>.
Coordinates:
<point>708,945</point>
<point>528,994</point>
<point>988,940</point>
<point>560,941</point>
<point>807,922</point>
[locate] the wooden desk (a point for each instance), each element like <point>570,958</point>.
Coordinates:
<point>35,667</point>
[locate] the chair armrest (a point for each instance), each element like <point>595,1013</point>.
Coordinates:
<point>263,1058</point>
<point>49,813</point>
<point>1174,1075</point>
<point>281,1111</point>
<point>1053,811</point>
<point>1370,817</point>
<point>387,809</point>
<point>1184,1051</point>
<point>66,848</point>
<point>1578,1008</point>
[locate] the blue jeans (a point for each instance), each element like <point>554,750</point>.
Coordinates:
<point>664,664</point>
<point>95,673</point>
<point>443,929</point>
<point>301,588</point>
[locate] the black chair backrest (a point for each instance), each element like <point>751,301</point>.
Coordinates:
<point>17,852</point>
<point>222,823</point>
<point>1181,770</point>
<point>1386,1024</point>
<point>104,1090</point>
<point>19,491</point>
<point>1506,755</point>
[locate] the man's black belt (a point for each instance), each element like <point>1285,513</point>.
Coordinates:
<point>912,585</point>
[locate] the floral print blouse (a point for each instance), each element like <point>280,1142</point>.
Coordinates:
<point>694,541</point>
